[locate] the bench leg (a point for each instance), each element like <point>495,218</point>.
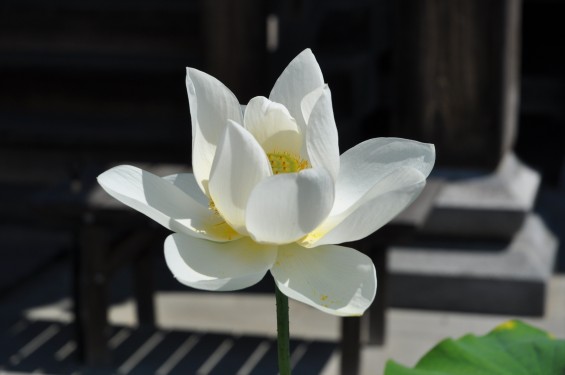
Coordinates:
<point>91,296</point>
<point>377,318</point>
<point>350,345</point>
<point>143,284</point>
<point>351,327</point>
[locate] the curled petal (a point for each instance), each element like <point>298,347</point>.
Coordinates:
<point>239,165</point>
<point>300,77</point>
<point>163,202</point>
<point>321,137</point>
<point>334,279</point>
<point>364,165</point>
<point>283,208</point>
<point>272,126</point>
<point>309,101</point>
<point>217,266</point>
<point>378,206</point>
<point>211,106</point>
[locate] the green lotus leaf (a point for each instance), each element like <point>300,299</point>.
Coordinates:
<point>512,348</point>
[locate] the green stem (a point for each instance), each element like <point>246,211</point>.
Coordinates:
<point>282,332</point>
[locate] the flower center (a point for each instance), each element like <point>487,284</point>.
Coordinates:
<point>283,162</point>
<point>221,227</point>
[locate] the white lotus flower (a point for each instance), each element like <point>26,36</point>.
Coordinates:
<point>271,192</point>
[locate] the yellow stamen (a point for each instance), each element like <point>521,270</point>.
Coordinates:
<point>212,207</point>
<point>284,162</point>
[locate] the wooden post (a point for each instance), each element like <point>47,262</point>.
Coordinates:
<point>457,77</point>
<point>235,36</point>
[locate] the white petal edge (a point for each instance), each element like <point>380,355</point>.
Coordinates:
<point>212,104</point>
<point>283,208</point>
<point>272,126</point>
<point>240,164</point>
<point>163,202</point>
<point>299,78</point>
<point>216,266</point>
<point>309,101</point>
<point>362,166</point>
<point>334,279</point>
<point>381,204</point>
<point>321,137</point>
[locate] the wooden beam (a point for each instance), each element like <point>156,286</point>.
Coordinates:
<point>457,77</point>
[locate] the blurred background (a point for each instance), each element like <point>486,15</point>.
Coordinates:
<point>91,84</point>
